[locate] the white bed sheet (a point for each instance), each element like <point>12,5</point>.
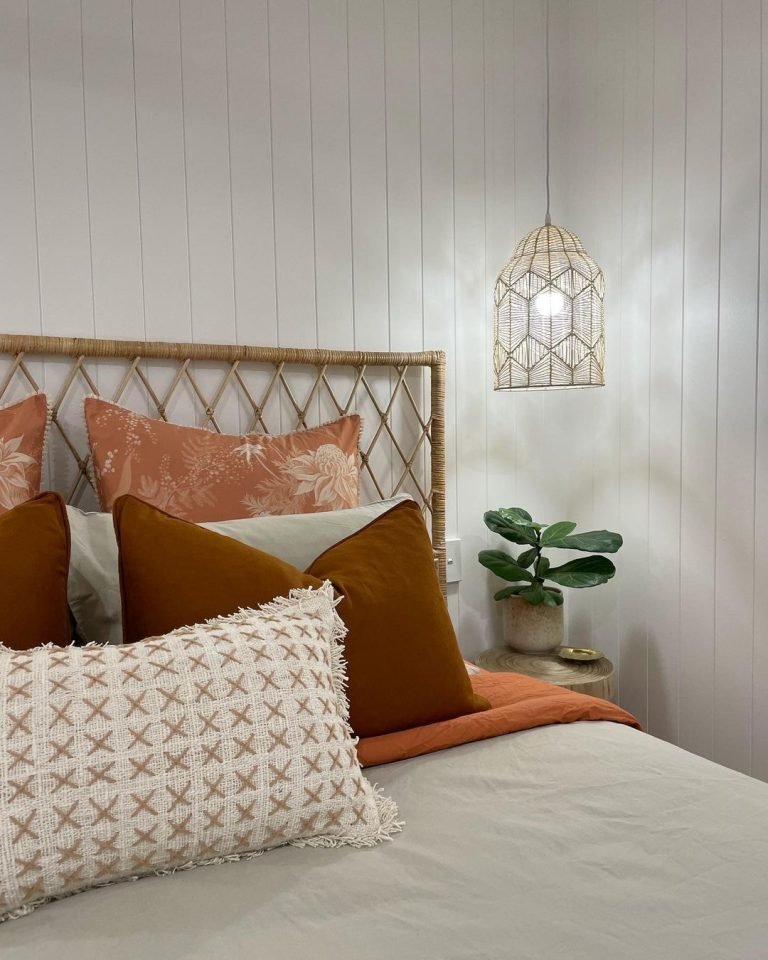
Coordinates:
<point>589,840</point>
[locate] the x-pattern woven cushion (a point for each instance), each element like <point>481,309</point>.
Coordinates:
<point>23,428</point>
<point>213,741</point>
<point>201,475</point>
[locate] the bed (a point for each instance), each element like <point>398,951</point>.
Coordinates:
<point>579,841</point>
<point>587,839</point>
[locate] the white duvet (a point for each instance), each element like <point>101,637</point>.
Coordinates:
<point>587,840</point>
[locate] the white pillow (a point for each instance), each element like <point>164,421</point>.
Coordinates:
<point>94,584</point>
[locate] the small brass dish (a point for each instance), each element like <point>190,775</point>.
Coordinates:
<point>579,653</point>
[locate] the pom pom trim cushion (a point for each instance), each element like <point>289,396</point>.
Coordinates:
<point>214,742</point>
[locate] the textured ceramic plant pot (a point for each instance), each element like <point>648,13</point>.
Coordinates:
<point>532,629</point>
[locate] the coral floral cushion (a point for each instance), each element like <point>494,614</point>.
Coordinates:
<point>23,427</point>
<point>211,742</point>
<point>204,476</point>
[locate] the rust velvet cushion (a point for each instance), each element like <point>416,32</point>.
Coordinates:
<point>395,614</point>
<point>34,561</point>
<point>174,573</point>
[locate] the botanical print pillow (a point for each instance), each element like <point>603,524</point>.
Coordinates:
<point>23,427</point>
<point>201,476</point>
<point>214,741</point>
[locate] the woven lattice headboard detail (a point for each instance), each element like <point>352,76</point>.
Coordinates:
<point>240,389</point>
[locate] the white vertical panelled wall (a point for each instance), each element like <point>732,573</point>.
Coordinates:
<point>354,174</point>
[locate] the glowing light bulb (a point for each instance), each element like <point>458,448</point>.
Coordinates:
<point>549,302</point>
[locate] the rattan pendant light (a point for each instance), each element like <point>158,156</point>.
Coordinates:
<point>548,322</point>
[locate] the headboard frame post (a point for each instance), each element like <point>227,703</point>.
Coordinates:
<point>437,407</point>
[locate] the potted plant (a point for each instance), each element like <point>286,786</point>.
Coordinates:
<point>533,604</point>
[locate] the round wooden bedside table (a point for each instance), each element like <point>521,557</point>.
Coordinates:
<point>594,677</point>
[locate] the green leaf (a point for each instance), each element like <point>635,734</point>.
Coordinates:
<point>595,541</point>
<point>509,591</point>
<point>514,532</point>
<point>557,595</point>
<point>527,557</point>
<point>543,567</point>
<point>533,594</point>
<point>503,565</point>
<point>583,572</point>
<point>556,531</point>
<point>515,514</point>
<point>549,599</point>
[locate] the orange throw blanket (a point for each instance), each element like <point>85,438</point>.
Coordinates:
<point>517,703</point>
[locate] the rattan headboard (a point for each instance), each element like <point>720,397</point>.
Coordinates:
<point>242,389</point>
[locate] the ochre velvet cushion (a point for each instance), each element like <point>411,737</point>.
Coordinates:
<point>34,561</point>
<point>395,614</point>
<point>174,573</point>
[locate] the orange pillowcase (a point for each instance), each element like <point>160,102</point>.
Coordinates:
<point>23,427</point>
<point>204,476</point>
<point>173,573</point>
<point>517,703</point>
<point>34,563</point>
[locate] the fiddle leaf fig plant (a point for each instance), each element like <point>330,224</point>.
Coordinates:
<point>531,575</point>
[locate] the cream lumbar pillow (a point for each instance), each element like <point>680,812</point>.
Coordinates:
<point>215,741</point>
<point>94,583</point>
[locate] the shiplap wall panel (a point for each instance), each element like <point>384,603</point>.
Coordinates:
<point>355,174</point>
<point>577,86</point>
<point>162,173</point>
<point>206,153</point>
<point>737,344</point>
<point>437,220</point>
<point>501,62</point>
<point>19,277</point>
<point>469,130</point>
<point>500,235</point>
<point>760,573</point>
<point>292,172</point>
<point>202,27</point>
<point>698,454</point>
<point>404,172</point>
<point>404,176</point>
<point>605,244</point>
<point>60,167</point>
<point>633,316</point>
<point>515,475</point>
<point>370,208</point>
<point>113,176</point>
<point>667,241</point>
<point>368,146</point>
<point>331,172</point>
<point>250,166</point>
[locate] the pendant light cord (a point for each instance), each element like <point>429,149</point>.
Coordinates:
<point>548,218</point>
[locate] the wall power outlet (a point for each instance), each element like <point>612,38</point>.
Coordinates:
<point>452,561</point>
